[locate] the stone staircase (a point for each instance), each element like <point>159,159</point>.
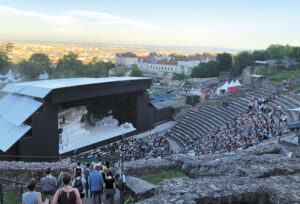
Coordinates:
<point>203,121</point>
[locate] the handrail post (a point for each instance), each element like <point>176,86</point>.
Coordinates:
<point>1,194</point>
<point>22,190</point>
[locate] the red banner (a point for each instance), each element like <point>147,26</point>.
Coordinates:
<point>204,93</point>
<point>233,89</point>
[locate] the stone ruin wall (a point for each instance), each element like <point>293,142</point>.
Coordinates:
<point>23,171</point>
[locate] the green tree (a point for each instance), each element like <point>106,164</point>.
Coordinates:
<point>295,53</point>
<point>4,63</point>
<point>110,65</point>
<point>204,70</point>
<point>224,61</point>
<point>178,77</point>
<point>277,51</point>
<point>37,64</point>
<point>260,55</point>
<point>119,74</point>
<point>179,57</point>
<point>70,66</point>
<point>242,60</point>
<point>40,58</point>
<point>135,71</point>
<point>97,69</point>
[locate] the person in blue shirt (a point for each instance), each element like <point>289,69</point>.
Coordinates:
<point>95,182</point>
<point>31,197</point>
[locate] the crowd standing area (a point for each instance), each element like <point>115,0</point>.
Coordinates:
<point>98,181</point>
<point>132,148</point>
<point>260,122</point>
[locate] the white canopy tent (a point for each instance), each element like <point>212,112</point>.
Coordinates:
<point>231,84</point>
<point>237,83</point>
<point>225,86</point>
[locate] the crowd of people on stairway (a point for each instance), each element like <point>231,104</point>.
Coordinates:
<point>98,181</point>
<point>132,148</point>
<point>260,122</point>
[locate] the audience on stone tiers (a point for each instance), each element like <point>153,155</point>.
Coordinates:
<point>245,130</point>
<point>132,149</point>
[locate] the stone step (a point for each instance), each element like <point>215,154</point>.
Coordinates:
<point>139,188</point>
<point>185,128</point>
<point>202,122</point>
<point>209,117</point>
<point>192,124</point>
<point>290,99</point>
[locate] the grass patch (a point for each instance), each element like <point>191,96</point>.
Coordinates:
<point>155,179</point>
<point>12,197</point>
<point>295,88</point>
<point>284,76</point>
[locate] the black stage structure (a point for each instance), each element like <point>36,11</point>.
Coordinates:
<point>29,113</point>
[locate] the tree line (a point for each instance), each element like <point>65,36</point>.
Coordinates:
<point>68,66</point>
<point>236,64</point>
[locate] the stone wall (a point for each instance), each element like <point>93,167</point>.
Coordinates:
<point>153,166</point>
<point>23,171</point>
<point>263,173</point>
<point>246,75</point>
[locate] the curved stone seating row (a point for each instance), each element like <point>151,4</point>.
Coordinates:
<point>203,121</point>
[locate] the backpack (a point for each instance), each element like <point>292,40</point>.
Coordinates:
<point>78,185</point>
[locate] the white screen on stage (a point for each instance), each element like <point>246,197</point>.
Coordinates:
<point>77,133</point>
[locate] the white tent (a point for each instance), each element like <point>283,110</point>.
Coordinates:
<point>224,87</point>
<point>237,83</point>
<point>231,84</point>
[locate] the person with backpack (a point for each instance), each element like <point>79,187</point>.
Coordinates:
<point>109,188</point>
<point>49,185</point>
<point>96,184</point>
<point>86,173</point>
<point>31,197</point>
<point>67,194</point>
<point>79,183</point>
<point>78,169</point>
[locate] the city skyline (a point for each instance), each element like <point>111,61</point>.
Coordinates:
<point>231,24</point>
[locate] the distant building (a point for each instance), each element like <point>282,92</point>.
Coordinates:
<point>166,68</point>
<point>126,59</point>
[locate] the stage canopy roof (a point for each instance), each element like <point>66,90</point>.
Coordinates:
<point>20,103</point>
<point>42,88</point>
<point>14,111</point>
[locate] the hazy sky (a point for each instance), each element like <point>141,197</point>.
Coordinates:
<point>246,24</point>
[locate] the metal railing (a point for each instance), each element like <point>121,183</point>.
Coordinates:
<point>9,181</point>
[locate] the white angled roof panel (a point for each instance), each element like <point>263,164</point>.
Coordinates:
<point>41,88</point>
<point>16,109</point>
<point>10,134</point>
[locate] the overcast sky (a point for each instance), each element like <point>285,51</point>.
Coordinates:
<point>245,24</point>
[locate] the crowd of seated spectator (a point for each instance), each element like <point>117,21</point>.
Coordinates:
<point>245,130</point>
<point>132,148</point>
